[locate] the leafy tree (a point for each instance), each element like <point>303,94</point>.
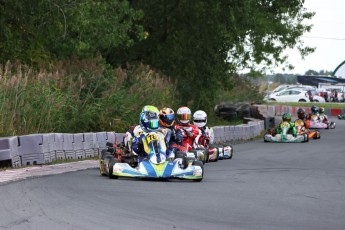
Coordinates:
<point>201,43</point>
<point>38,29</point>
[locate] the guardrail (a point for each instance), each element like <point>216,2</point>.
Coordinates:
<point>38,149</point>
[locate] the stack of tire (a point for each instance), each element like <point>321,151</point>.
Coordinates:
<point>233,111</point>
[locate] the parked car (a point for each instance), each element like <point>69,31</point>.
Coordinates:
<point>290,95</point>
<point>314,95</point>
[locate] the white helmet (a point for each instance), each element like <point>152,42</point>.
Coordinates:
<point>200,118</point>
<point>184,115</point>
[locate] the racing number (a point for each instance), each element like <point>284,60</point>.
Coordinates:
<point>151,137</point>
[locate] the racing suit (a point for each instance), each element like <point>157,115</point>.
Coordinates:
<point>173,138</point>
<point>130,134</point>
<point>138,145</point>
<point>323,118</point>
<point>292,129</point>
<point>206,136</point>
<point>189,133</point>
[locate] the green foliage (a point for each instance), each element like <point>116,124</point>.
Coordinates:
<point>190,51</point>
<point>201,43</point>
<point>35,30</point>
<point>78,96</point>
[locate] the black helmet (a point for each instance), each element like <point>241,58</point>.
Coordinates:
<point>286,117</point>
<point>314,109</point>
<point>301,113</point>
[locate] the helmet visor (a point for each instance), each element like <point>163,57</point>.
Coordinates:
<point>170,117</point>
<point>184,117</point>
<point>200,121</point>
<point>153,124</point>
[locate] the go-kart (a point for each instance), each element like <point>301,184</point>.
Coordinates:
<point>284,136</point>
<point>219,152</point>
<point>214,152</point>
<point>301,129</point>
<point>154,165</point>
<point>316,122</point>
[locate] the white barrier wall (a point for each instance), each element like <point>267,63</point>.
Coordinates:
<point>45,148</point>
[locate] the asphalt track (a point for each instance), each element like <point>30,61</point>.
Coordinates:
<point>265,186</point>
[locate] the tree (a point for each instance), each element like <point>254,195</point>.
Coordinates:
<point>201,43</point>
<point>32,31</point>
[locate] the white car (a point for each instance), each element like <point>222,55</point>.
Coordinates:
<point>290,95</point>
<point>312,92</point>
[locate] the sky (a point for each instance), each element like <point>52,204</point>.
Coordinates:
<point>327,35</point>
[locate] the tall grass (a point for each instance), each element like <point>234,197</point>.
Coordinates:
<point>77,96</point>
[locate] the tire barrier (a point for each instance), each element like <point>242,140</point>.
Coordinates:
<point>39,149</point>
<point>232,111</point>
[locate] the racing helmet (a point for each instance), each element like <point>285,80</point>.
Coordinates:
<point>301,113</point>
<point>286,117</point>
<point>314,109</point>
<point>321,110</point>
<point>166,117</point>
<point>184,115</point>
<point>200,118</point>
<point>149,121</point>
<point>150,108</point>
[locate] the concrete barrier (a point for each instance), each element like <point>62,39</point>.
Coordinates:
<point>45,148</point>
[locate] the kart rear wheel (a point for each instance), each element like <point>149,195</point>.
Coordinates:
<point>105,158</point>
<point>199,163</point>
<point>204,156</point>
<point>112,162</point>
<point>183,156</point>
<point>105,153</point>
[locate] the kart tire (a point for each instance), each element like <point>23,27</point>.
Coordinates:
<point>183,156</point>
<point>108,157</point>
<point>112,162</point>
<point>199,163</point>
<point>195,154</point>
<point>204,159</point>
<point>217,156</point>
<point>306,137</point>
<point>207,156</point>
<point>105,153</point>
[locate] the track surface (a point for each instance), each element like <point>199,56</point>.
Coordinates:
<point>265,186</point>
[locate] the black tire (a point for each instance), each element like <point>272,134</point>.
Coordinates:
<point>228,115</point>
<point>112,162</point>
<point>105,158</point>
<point>306,138</point>
<point>195,153</point>
<point>183,156</point>
<point>207,156</point>
<point>180,154</point>
<point>204,154</point>
<point>105,153</point>
<point>199,163</point>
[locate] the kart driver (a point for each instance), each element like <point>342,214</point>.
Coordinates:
<point>314,112</point>
<point>136,130</point>
<point>167,127</point>
<point>286,117</point>
<point>148,122</point>
<point>189,131</point>
<point>302,120</point>
<point>206,136</point>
